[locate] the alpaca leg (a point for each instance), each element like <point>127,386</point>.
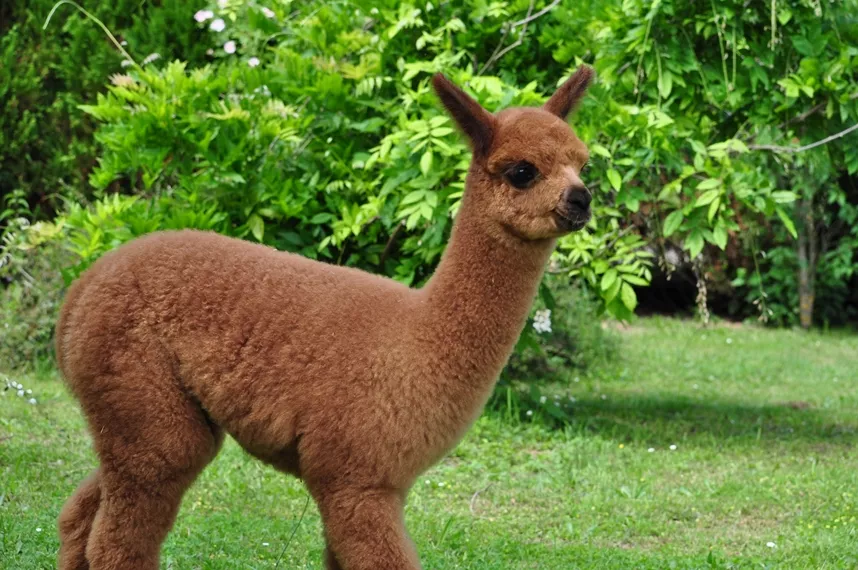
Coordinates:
<point>131,524</point>
<point>75,523</point>
<point>153,441</point>
<point>331,562</point>
<point>365,530</point>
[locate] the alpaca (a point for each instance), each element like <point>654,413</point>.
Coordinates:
<point>350,381</point>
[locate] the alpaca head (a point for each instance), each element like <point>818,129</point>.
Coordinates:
<point>526,167</point>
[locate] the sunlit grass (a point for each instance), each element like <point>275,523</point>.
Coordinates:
<point>763,471</point>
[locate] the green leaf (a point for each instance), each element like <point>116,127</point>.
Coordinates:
<point>694,243</point>
<point>720,236</point>
<point>612,292</point>
<point>707,198</point>
<point>713,208</point>
<point>257,227</point>
<point>426,162</point>
<point>615,179</point>
<point>608,279</point>
<point>441,131</point>
<point>600,150</point>
<point>627,295</point>
<point>790,226</point>
<point>413,197</point>
<point>546,296</point>
<point>709,183</point>
<point>784,196</point>
<point>635,280</point>
<point>672,222</point>
<point>665,84</point>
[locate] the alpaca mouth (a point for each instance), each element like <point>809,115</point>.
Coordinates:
<point>571,221</point>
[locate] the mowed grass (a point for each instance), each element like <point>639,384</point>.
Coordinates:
<point>764,473</point>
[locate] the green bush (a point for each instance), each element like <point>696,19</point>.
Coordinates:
<point>312,127</point>
<point>30,294</point>
<point>46,144</point>
<point>565,336</point>
<point>316,131</point>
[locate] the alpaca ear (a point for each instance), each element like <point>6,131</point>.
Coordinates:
<point>477,123</point>
<point>570,93</point>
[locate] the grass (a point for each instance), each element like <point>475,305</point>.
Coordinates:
<point>764,473</point>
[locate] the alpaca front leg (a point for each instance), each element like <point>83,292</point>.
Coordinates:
<point>365,530</point>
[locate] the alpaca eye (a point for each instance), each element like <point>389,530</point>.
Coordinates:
<point>522,174</point>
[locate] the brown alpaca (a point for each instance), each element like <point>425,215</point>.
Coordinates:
<point>350,381</point>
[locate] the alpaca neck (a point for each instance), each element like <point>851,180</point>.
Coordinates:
<point>477,302</point>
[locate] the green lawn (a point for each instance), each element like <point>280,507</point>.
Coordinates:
<point>764,473</point>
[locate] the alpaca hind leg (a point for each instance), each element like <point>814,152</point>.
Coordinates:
<point>365,530</point>
<point>75,524</point>
<point>153,441</point>
<point>331,562</point>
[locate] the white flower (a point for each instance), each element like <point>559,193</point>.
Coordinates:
<point>151,57</point>
<point>222,4</point>
<point>203,15</point>
<point>32,401</point>
<point>529,413</point>
<point>268,13</point>
<point>126,63</point>
<point>542,321</point>
<point>673,448</point>
<point>572,398</point>
<point>264,544</point>
<point>218,25</point>
<point>253,61</point>
<point>38,529</point>
<point>651,449</point>
<point>229,47</point>
<point>771,544</point>
<point>29,392</point>
<point>543,399</point>
<point>21,393</point>
<point>729,341</point>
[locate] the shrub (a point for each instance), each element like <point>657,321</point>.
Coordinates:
<point>30,294</point>
<point>46,144</point>
<point>565,337</point>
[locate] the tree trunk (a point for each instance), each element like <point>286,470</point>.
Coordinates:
<point>808,253</point>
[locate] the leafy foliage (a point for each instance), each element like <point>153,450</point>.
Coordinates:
<point>312,127</point>
<point>46,146</point>
<point>679,137</point>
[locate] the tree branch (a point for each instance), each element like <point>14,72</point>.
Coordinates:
<point>796,149</point>
<point>499,53</point>
<point>389,245</point>
<point>803,116</point>
<point>539,14</point>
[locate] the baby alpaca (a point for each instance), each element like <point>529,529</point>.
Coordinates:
<point>350,381</point>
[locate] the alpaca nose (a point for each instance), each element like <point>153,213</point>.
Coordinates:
<point>578,197</point>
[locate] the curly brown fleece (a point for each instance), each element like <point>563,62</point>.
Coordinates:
<point>350,381</point>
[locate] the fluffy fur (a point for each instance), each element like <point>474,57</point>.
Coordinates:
<point>350,381</point>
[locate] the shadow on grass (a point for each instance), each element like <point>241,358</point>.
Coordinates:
<point>667,420</point>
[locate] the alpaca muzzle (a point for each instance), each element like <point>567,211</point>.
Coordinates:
<point>573,212</point>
